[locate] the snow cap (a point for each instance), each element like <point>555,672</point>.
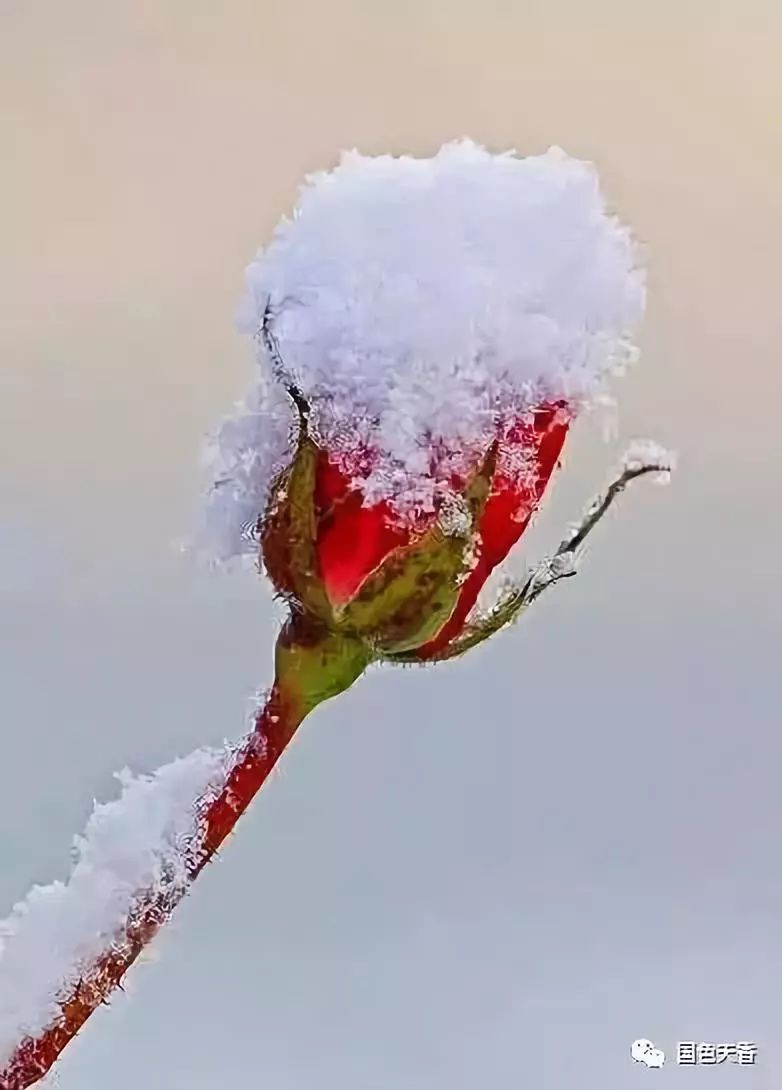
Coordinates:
<point>419,305</point>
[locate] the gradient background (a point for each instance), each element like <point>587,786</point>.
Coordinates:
<point>494,874</point>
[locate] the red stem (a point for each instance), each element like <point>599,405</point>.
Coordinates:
<point>34,1056</point>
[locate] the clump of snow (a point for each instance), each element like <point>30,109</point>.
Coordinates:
<point>420,305</point>
<point>146,837</point>
<point>645,453</point>
<point>242,458</point>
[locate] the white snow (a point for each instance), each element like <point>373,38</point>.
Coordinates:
<point>129,846</point>
<point>419,304</point>
<point>643,453</point>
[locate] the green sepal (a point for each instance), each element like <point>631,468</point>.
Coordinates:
<point>475,632</point>
<point>478,490</point>
<point>406,601</point>
<point>288,532</point>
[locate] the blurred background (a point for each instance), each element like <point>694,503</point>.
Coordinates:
<point>496,873</point>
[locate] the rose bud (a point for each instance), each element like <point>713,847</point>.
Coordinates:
<point>427,331</point>
<point>350,566</point>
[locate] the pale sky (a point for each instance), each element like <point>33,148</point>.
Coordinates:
<point>492,875</point>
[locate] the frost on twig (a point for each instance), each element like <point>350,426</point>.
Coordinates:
<point>642,459</point>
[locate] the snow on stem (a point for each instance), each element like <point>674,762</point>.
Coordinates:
<point>67,947</point>
<point>197,802</point>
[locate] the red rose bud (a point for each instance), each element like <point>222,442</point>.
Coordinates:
<point>356,571</point>
<point>438,322</point>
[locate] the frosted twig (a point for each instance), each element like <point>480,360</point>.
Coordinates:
<point>642,459</point>
<point>639,461</point>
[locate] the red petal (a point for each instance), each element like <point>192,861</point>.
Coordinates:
<point>331,484</point>
<point>352,539</point>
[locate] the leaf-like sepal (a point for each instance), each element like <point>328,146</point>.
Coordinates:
<point>406,601</point>
<point>289,530</point>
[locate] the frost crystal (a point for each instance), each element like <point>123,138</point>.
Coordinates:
<point>419,305</point>
<point>454,516</point>
<point>145,837</point>
<point>646,452</point>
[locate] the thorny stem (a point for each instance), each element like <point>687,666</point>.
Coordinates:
<point>310,669</point>
<point>35,1056</point>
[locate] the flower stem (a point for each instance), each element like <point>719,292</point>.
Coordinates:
<point>311,666</point>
